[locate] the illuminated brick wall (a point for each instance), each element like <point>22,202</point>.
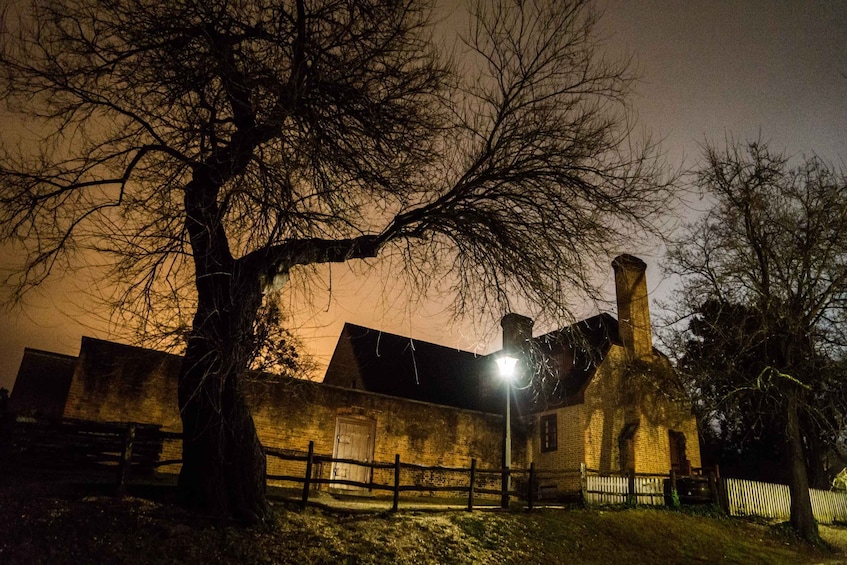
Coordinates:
<point>290,414</point>
<point>590,432</point>
<point>121,383</point>
<point>114,382</point>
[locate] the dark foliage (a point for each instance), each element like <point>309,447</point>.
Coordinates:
<point>764,284</point>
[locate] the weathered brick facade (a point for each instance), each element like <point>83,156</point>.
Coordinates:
<point>114,382</point>
<point>610,407</point>
<point>591,432</point>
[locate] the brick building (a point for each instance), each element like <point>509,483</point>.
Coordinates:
<point>622,408</point>
<point>595,393</point>
<point>121,383</point>
<point>600,395</point>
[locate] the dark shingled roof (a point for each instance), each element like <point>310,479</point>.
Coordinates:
<point>572,355</point>
<point>394,365</point>
<point>42,384</point>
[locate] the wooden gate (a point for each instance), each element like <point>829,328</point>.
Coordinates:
<point>354,439</point>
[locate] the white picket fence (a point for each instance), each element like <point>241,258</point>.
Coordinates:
<point>742,497</point>
<point>769,500</point>
<point>829,506</point>
<point>613,490</point>
<point>754,498</point>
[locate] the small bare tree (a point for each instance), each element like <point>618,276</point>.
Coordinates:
<point>225,143</point>
<point>276,350</point>
<point>764,283</point>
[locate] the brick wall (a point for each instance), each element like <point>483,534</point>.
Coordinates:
<point>121,383</point>
<point>606,412</point>
<point>288,414</point>
<point>658,415</point>
<point>114,382</point>
<point>590,432</point>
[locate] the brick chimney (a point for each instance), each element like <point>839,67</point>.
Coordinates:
<point>517,331</point>
<point>633,307</point>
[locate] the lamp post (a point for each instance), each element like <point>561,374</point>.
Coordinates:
<point>506,365</point>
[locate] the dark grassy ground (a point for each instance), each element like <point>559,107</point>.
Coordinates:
<point>52,523</point>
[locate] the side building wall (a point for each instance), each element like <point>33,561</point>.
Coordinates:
<point>114,382</point>
<point>618,399</point>
<point>558,469</point>
<point>615,402</point>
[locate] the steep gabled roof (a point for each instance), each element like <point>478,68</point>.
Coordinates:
<point>395,365</point>
<point>568,358</point>
<point>386,363</point>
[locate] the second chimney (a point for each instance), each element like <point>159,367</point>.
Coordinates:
<point>633,306</point>
<point>517,331</point>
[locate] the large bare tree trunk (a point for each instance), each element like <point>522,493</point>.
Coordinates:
<point>815,454</point>
<point>802,519</point>
<point>223,468</point>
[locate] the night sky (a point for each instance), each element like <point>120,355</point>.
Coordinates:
<point>710,70</point>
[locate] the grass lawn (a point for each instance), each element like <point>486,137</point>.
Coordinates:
<point>51,523</point>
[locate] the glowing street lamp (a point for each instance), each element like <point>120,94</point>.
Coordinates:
<point>506,366</point>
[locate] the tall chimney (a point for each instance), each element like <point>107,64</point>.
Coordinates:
<point>633,306</point>
<point>517,331</point>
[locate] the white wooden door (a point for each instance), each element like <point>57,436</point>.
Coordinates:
<point>353,440</point>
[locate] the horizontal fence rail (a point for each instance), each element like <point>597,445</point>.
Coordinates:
<point>131,449</point>
<point>403,477</point>
<point>82,444</point>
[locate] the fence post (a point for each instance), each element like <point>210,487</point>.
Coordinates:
<point>307,482</point>
<point>713,489</point>
<point>471,487</point>
<point>720,487</point>
<point>396,503</point>
<point>673,500</point>
<point>126,458</point>
<point>504,488</point>
<point>531,486</point>
<point>583,485</point>
<point>631,498</point>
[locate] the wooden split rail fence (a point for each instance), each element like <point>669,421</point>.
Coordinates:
<point>130,449</point>
<point>589,486</point>
<point>471,488</point>
<point>85,446</point>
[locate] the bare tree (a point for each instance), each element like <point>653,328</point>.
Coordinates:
<point>219,145</point>
<point>764,280</point>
